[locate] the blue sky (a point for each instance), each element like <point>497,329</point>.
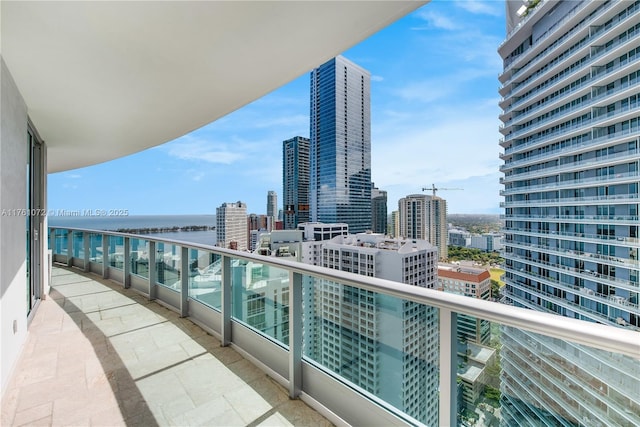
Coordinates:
<point>434,119</point>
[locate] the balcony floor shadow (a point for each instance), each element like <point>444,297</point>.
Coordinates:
<point>101,355</point>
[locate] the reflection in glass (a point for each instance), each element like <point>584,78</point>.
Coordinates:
<point>95,247</point>
<point>168,265</point>
<point>205,277</point>
<point>116,252</point>
<point>139,257</point>
<point>261,298</point>
<point>60,241</point>
<point>78,244</point>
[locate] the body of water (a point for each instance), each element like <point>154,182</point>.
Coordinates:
<point>145,221</point>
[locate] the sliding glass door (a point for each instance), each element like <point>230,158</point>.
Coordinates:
<point>34,217</point>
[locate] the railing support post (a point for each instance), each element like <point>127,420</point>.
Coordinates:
<point>295,334</point>
<point>126,264</point>
<point>86,241</point>
<point>225,327</point>
<point>105,256</point>
<point>69,248</point>
<point>184,282</point>
<point>152,270</point>
<point>448,408</point>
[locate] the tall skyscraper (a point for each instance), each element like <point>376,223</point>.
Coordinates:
<point>295,181</point>
<point>571,126</point>
<point>424,217</point>
<point>272,204</point>
<point>231,226</point>
<point>378,210</point>
<point>385,345</point>
<point>340,145</point>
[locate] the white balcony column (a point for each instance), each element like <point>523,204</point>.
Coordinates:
<point>448,409</point>
<point>69,248</point>
<point>225,328</point>
<point>295,334</point>
<point>184,282</point>
<point>105,256</point>
<point>126,263</point>
<point>153,273</point>
<point>86,241</point>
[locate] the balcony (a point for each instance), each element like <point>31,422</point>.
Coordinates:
<point>102,355</point>
<point>611,179</point>
<point>227,294</point>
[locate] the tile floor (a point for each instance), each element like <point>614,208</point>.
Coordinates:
<point>101,355</point>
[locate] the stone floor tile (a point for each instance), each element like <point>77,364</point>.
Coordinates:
<point>43,422</point>
<point>246,402</point>
<point>33,414</point>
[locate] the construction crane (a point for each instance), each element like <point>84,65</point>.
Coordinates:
<point>434,189</point>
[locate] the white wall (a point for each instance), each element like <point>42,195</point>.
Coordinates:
<point>13,282</point>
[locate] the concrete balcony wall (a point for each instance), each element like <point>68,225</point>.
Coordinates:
<point>13,166</point>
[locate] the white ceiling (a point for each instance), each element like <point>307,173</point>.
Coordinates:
<point>104,79</point>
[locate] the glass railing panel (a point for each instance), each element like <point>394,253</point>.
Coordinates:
<point>205,277</point>
<point>78,244</point>
<point>518,377</point>
<point>168,265</point>
<point>116,251</point>
<point>60,244</point>
<point>383,346</point>
<point>139,257</point>
<point>260,298</point>
<point>95,248</point>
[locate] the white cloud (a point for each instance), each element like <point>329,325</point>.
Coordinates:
<point>435,20</point>
<point>480,7</point>
<point>375,78</point>
<point>194,149</point>
<point>73,176</point>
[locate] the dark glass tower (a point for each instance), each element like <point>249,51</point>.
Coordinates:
<point>295,181</point>
<point>340,145</point>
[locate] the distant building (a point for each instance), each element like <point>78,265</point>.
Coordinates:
<point>425,217</point>
<point>231,226</point>
<point>394,224</point>
<point>340,144</point>
<point>295,181</point>
<point>487,242</point>
<point>382,344</point>
<point>320,231</point>
<point>272,205</point>
<point>459,237</point>
<point>257,224</point>
<point>471,282</point>
<point>378,210</point>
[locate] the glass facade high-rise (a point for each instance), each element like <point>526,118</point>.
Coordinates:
<point>295,181</point>
<point>340,145</point>
<point>571,126</point>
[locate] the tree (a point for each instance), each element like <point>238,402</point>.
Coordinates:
<point>495,289</point>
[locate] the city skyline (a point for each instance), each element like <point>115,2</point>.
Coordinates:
<point>424,67</point>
